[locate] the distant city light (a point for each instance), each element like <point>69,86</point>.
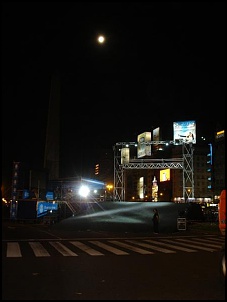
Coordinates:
<point>109,187</point>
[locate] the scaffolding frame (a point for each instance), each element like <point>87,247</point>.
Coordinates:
<point>185,163</point>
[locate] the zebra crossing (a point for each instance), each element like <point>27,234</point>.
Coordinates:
<point>102,247</point>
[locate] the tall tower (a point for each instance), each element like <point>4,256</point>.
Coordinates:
<point>51,155</point>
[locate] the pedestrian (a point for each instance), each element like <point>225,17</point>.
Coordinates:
<point>155,220</point>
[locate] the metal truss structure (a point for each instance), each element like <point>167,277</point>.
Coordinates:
<point>185,163</point>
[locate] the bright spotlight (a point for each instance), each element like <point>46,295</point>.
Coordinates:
<point>84,191</point>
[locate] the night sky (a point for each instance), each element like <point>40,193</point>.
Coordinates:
<point>162,62</point>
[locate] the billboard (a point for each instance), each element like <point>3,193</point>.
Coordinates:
<point>164,175</point>
<point>124,156</point>
<point>142,149</point>
<point>154,189</point>
<point>185,131</point>
<point>141,187</point>
<point>156,137</point>
<point>43,207</point>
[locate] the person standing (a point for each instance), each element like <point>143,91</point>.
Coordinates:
<point>155,220</point>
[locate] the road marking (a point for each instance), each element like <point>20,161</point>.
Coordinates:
<point>109,248</point>
<point>151,246</point>
<point>171,245</point>
<point>39,249</point>
<point>207,242</point>
<point>13,250</point>
<point>63,249</point>
<point>85,248</point>
<point>185,243</point>
<point>216,239</point>
<point>130,247</point>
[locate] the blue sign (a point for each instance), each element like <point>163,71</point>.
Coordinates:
<point>26,194</point>
<point>50,195</point>
<point>43,207</point>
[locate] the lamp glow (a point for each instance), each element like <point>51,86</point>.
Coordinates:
<point>84,191</point>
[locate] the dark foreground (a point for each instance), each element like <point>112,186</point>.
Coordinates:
<point>122,265</point>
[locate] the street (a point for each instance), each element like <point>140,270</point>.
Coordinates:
<point>181,276</point>
<point>48,263</point>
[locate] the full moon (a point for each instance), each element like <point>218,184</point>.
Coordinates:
<point>101,39</point>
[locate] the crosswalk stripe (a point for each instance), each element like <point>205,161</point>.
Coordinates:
<point>63,249</point>
<point>141,246</point>
<point>216,239</point>
<point>151,246</point>
<point>207,242</point>
<point>185,242</point>
<point>130,247</point>
<point>109,248</point>
<point>171,245</point>
<point>86,248</point>
<point>198,247</point>
<point>39,249</point>
<point>13,249</point>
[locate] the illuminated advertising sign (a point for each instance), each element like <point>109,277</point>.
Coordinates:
<point>141,187</point>
<point>156,137</point>
<point>43,207</point>
<point>220,134</point>
<point>124,156</point>
<point>142,149</point>
<point>156,134</point>
<point>164,175</point>
<point>155,189</point>
<point>185,131</point>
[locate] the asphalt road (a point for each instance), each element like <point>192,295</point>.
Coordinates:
<point>110,255</point>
